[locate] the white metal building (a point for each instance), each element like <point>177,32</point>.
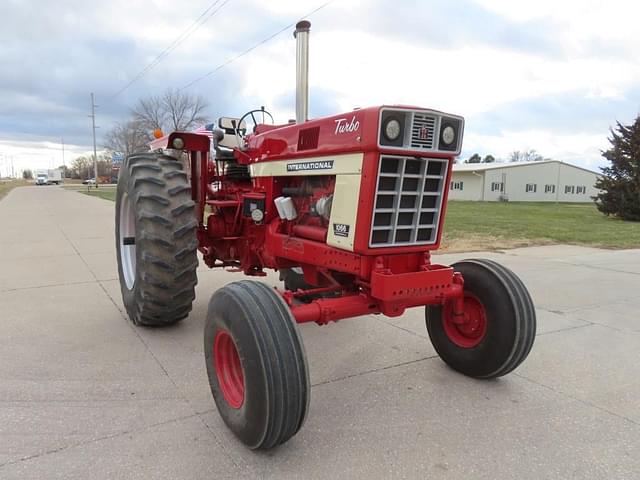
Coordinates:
<point>544,181</point>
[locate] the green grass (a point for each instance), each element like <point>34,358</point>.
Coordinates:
<point>504,225</point>
<point>7,185</point>
<point>107,193</point>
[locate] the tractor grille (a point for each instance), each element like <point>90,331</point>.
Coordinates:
<point>423,130</point>
<point>408,201</point>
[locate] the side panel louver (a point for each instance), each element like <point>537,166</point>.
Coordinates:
<point>308,138</point>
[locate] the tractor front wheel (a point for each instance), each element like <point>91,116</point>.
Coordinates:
<point>498,327</point>
<point>256,364</point>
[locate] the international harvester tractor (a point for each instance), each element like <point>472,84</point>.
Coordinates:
<point>348,209</point>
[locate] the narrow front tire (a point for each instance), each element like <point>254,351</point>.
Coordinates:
<point>256,364</point>
<point>499,324</point>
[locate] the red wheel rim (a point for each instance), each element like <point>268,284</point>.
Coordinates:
<point>466,331</point>
<point>228,369</point>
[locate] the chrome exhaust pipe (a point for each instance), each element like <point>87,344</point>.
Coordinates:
<point>302,70</point>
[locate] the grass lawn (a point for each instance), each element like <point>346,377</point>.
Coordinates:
<point>108,193</point>
<point>495,225</point>
<point>7,185</point>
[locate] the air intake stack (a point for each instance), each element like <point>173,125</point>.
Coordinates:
<point>302,70</point>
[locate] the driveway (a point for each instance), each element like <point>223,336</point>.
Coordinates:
<point>84,394</point>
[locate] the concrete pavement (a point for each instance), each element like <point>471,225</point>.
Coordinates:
<point>83,394</point>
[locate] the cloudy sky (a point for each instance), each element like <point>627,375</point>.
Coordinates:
<point>548,75</point>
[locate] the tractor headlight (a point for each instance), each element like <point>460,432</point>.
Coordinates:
<point>392,129</point>
<point>178,143</point>
<point>448,135</point>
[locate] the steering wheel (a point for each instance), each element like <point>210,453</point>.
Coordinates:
<point>242,132</point>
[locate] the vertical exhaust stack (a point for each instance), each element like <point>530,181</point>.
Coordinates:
<point>302,70</point>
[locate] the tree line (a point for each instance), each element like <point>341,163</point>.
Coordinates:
<point>515,156</point>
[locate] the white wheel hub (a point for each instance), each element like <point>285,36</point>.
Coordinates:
<point>127,241</point>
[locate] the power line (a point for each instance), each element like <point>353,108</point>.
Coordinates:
<point>197,23</point>
<point>261,42</point>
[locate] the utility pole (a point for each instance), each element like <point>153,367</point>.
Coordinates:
<point>64,166</point>
<point>95,153</point>
<point>13,172</point>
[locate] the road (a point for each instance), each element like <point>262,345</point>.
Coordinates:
<point>84,394</point>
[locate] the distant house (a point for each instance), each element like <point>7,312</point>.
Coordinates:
<point>544,181</point>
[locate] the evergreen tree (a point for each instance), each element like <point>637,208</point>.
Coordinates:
<point>620,182</point>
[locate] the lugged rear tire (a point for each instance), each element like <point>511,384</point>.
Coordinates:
<point>256,364</point>
<point>499,327</point>
<point>155,239</point>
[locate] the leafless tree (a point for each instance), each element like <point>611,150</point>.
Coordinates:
<point>128,137</point>
<point>171,111</point>
<point>150,113</point>
<point>82,167</point>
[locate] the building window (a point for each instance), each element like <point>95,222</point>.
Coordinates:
<point>549,189</point>
<point>582,189</point>
<point>569,189</point>
<point>497,186</point>
<point>457,185</point>
<point>531,188</point>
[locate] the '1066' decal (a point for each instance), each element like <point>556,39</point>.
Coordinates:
<point>341,229</point>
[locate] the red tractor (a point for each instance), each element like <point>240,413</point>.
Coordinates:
<point>347,208</point>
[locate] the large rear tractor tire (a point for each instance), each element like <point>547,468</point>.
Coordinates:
<point>256,364</point>
<point>499,324</point>
<point>155,239</point>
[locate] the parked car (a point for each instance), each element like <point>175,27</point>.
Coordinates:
<point>89,181</point>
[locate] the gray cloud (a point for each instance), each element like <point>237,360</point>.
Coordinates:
<point>446,24</point>
<point>55,53</point>
<point>567,113</point>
